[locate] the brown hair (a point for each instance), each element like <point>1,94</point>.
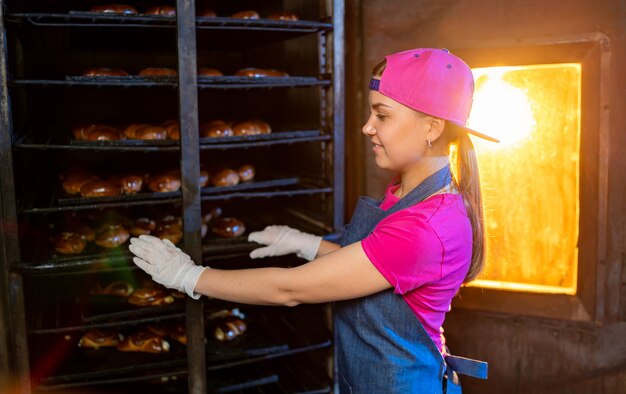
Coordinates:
<point>464,166</point>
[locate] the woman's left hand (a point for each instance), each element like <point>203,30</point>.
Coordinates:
<point>166,264</point>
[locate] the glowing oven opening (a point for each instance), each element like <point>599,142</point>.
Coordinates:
<point>530,181</point>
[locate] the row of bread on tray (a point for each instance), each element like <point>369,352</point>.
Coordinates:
<point>250,72</point>
<point>225,325</point>
<point>87,183</point>
<point>72,234</point>
<point>126,9</point>
<point>168,130</point>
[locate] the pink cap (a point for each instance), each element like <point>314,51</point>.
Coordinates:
<point>431,81</point>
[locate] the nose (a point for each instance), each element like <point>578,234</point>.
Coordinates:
<point>368,128</point>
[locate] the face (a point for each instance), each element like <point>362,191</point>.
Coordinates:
<point>398,133</point>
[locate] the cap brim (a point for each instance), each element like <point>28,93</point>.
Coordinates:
<point>479,134</point>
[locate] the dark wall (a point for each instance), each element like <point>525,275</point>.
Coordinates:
<point>526,354</point>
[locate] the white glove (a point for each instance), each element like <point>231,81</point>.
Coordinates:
<point>166,264</point>
<point>282,240</point>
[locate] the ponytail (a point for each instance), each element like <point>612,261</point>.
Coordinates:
<point>464,165</point>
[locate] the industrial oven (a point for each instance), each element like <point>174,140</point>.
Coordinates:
<point>70,277</point>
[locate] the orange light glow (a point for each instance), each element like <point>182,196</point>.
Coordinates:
<point>530,180</point>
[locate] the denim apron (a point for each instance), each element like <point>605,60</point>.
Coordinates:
<point>381,346</point>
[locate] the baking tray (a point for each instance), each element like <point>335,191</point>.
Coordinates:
<point>49,142</point>
<point>97,19</point>
<point>225,82</point>
<point>67,200</point>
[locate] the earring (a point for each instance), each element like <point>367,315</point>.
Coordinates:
<point>430,145</point>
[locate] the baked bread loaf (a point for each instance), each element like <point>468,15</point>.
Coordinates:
<point>216,128</point>
<point>104,135</point>
<point>145,342</point>
<point>225,177</point>
<point>260,73</point>
<point>246,128</point>
<point>111,235</point>
<point>246,173</point>
<point>209,72</point>
<point>151,133</point>
<point>172,231</point>
<point>131,184</point>
<point>118,288</point>
<point>96,132</point>
<point>150,296</point>
<point>101,188</point>
<point>283,16</point>
<point>167,182</point>
<point>157,72</point>
<point>114,9</point>
<point>73,183</point>
<point>142,226</point>
<point>229,328</point>
<point>69,243</point>
<point>161,10</point>
<point>104,72</point>
<point>95,339</point>
<point>179,333</point>
<point>130,130</point>
<point>207,13</point>
<point>173,130</point>
<point>228,227</point>
<point>246,15</point>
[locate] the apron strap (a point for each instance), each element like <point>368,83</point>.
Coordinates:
<point>430,185</point>
<point>465,366</point>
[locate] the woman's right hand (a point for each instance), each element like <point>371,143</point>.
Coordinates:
<point>282,240</point>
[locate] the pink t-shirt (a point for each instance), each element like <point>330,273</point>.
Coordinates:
<point>424,251</point>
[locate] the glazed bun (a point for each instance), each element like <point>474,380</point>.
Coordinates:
<point>228,227</point>
<point>105,72</point>
<point>150,296</point>
<point>114,9</point>
<point>69,243</point>
<point>226,177</point>
<point>246,173</point>
<point>216,128</point>
<point>209,72</point>
<point>100,188</point>
<point>145,342</point>
<point>246,15</point>
<point>142,131</point>
<point>157,72</point>
<point>207,13</point>
<point>111,235</point>
<point>260,73</point>
<point>283,16</point>
<point>95,339</point>
<point>252,127</point>
<point>93,131</point>
<point>151,133</point>
<point>167,182</point>
<point>131,184</point>
<point>74,182</point>
<point>162,10</point>
<point>173,129</point>
<point>142,226</point>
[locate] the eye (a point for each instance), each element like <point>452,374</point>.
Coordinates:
<point>381,117</point>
